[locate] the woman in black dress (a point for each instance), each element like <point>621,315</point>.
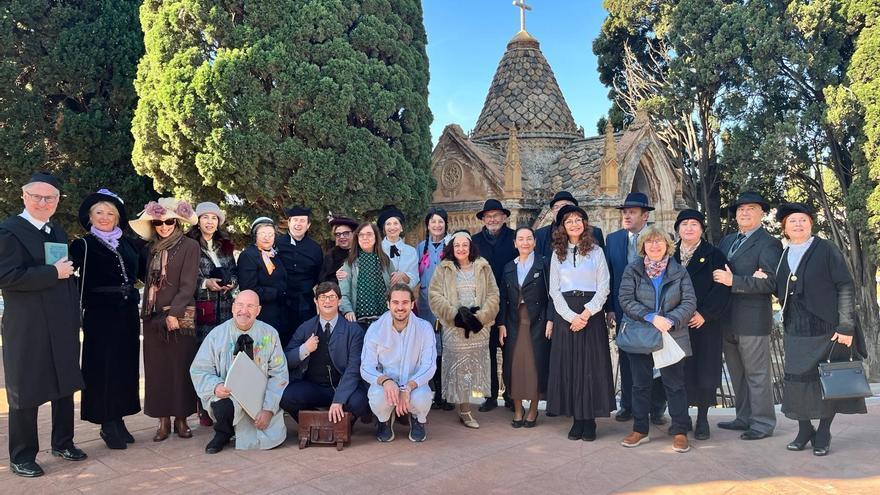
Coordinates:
<point>815,288</point>
<point>580,381</point>
<point>525,322</point>
<point>108,266</point>
<point>262,272</point>
<point>702,370</point>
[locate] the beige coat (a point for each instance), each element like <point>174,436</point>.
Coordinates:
<point>443,293</point>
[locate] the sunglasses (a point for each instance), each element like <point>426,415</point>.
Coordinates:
<point>159,223</point>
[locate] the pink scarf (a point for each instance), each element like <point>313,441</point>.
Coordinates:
<point>655,268</point>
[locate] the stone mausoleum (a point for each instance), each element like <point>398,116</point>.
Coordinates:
<point>526,146</point>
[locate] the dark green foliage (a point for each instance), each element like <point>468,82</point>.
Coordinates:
<point>315,102</point>
<point>67,99</point>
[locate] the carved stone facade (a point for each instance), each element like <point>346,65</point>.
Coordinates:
<point>526,146</point>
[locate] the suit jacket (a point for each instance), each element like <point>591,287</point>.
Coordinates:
<point>497,251</point>
<point>345,346</point>
<point>544,239</point>
<point>615,257</point>
<point>750,311</point>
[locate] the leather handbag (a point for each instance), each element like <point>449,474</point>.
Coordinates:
<point>843,379</point>
<point>638,337</point>
<point>315,428</point>
<point>206,312</point>
<point>188,320</point>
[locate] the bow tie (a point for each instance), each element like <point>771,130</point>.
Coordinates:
<point>244,344</point>
<point>394,251</point>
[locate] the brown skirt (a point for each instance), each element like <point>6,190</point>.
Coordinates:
<point>168,388</point>
<point>523,373</point>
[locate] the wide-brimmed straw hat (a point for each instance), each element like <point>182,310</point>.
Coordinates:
<point>163,209</point>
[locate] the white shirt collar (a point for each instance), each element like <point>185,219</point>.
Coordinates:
<point>33,221</point>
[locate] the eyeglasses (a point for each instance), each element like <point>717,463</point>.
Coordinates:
<point>574,221</point>
<point>327,297</point>
<point>36,198</point>
<point>347,233</point>
<point>159,223</point>
<point>655,240</point>
<point>266,234</point>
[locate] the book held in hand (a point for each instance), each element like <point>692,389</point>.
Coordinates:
<point>54,251</point>
<point>248,384</point>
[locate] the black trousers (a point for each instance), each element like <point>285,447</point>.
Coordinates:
<point>642,366</point>
<point>23,440</point>
<point>658,394</point>
<point>224,414</point>
<point>303,395</point>
<point>494,345</point>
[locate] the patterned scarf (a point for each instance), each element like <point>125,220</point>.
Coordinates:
<point>655,269</point>
<point>687,253</point>
<point>370,286</point>
<point>157,276</point>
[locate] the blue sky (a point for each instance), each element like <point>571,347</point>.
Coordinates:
<point>466,40</point>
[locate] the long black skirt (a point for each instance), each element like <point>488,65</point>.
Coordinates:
<point>110,361</point>
<point>580,382</point>
<point>702,370</point>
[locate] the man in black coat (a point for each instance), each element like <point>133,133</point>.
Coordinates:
<point>495,243</point>
<point>40,327</point>
<point>324,357</point>
<point>749,317</point>
<point>302,259</point>
<point>343,235</point>
<point>544,235</point>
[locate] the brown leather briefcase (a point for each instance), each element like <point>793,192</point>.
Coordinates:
<point>315,428</point>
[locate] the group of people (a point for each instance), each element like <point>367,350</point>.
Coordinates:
<point>378,328</point>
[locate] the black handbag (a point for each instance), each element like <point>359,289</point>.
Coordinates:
<point>843,379</point>
<point>638,337</point>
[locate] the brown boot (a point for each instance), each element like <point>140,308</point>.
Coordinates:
<point>635,439</point>
<point>181,428</point>
<point>680,443</point>
<point>164,429</point>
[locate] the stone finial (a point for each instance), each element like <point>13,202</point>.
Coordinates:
<point>512,168</point>
<point>641,119</point>
<point>608,184</point>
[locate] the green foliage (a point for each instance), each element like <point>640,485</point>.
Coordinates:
<point>67,99</point>
<point>268,104</point>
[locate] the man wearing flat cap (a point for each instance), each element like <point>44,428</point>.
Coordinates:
<point>495,243</point>
<point>620,251</point>
<point>544,235</point>
<point>749,319</point>
<point>302,259</point>
<point>40,327</point>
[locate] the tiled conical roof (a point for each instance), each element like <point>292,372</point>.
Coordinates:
<point>524,94</point>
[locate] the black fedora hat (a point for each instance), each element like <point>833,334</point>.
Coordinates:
<point>636,200</point>
<point>565,210</point>
<point>749,197</point>
<point>492,204</point>
<point>786,209</point>
<point>97,197</point>
<point>343,220</point>
<point>563,196</point>
<point>690,214</point>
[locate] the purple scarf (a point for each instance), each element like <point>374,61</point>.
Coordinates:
<point>110,238</point>
<point>655,268</point>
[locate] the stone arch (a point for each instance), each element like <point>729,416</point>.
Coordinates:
<point>646,169</point>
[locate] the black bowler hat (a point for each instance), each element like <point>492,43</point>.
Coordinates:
<point>492,204</point>
<point>45,178</point>
<point>342,220</point>
<point>636,200</point>
<point>565,210</point>
<point>97,197</point>
<point>299,211</point>
<point>749,197</point>
<point>786,209</point>
<point>563,196</point>
<point>690,215</point>
<point>389,211</point>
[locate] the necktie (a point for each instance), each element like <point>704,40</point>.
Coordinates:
<point>632,252</point>
<point>740,238</point>
<point>326,329</point>
<point>574,255</point>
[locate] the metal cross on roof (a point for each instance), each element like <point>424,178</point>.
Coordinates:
<point>521,4</point>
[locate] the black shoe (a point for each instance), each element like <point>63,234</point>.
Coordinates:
<point>530,424</point>
<point>821,445</point>
<point>577,430</point>
<point>71,453</point>
<point>217,443</point>
<point>29,469</point>
<point>517,423</point>
<point>447,406</point>
<point>623,414</point>
<point>417,431</point>
<point>123,432</point>
<point>385,431</point>
<point>589,430</point>
<point>658,420</point>
<point>733,425</point>
<point>110,434</point>
<point>488,405</point>
<point>754,435</point>
<point>702,431</point>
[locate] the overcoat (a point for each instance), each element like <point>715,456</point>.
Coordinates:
<point>749,311</point>
<point>535,293</point>
<point>272,289</point>
<point>41,318</point>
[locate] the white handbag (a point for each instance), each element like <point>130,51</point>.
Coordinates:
<point>670,354</point>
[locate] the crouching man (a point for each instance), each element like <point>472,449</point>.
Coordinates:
<point>398,361</point>
<point>243,333</point>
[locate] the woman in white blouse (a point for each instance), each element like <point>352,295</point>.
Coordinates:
<point>580,382</point>
<point>404,259</point>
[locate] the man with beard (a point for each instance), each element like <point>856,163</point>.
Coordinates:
<point>342,228</point>
<point>398,361</point>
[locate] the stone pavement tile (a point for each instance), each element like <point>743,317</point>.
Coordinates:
<point>149,483</point>
<point>262,478</point>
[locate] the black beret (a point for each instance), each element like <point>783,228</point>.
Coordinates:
<point>298,211</point>
<point>565,210</point>
<point>45,178</point>
<point>786,209</point>
<point>690,215</point>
